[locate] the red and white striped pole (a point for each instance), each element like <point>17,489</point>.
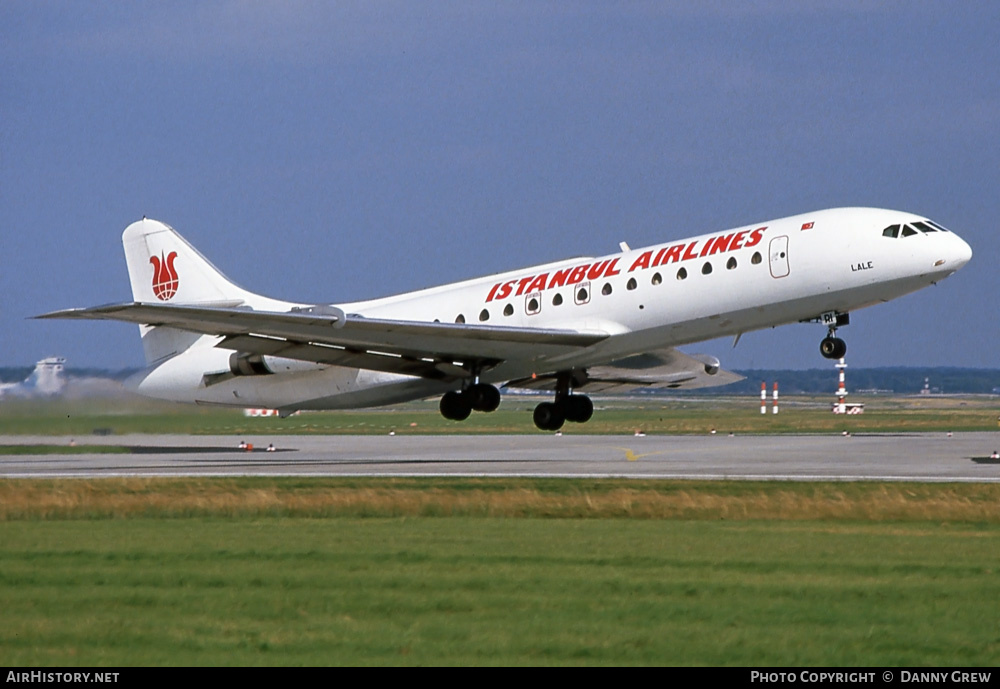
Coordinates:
<point>774,399</point>
<point>763,397</point>
<point>841,390</point>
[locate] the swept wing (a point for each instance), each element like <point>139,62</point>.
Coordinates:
<point>326,335</point>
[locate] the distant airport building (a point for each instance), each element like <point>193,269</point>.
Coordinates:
<point>47,380</point>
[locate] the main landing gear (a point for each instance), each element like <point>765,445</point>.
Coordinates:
<point>550,416</point>
<point>457,405</point>
<point>832,347</point>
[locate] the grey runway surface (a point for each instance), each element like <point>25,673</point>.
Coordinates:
<point>910,457</point>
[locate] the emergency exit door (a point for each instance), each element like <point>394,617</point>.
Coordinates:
<point>778,250</point>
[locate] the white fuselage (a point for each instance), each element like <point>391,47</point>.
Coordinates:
<point>719,284</point>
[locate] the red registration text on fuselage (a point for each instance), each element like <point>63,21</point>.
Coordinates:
<point>606,268</point>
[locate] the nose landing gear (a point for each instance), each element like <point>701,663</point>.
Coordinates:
<point>832,347</point>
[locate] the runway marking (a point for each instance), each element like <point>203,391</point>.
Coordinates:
<point>633,457</point>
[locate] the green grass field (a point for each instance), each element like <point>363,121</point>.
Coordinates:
<point>612,416</point>
<point>468,591</point>
<point>497,572</point>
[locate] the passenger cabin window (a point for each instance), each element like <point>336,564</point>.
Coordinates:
<point>657,278</point>
<point>606,290</point>
<point>682,274</point>
<point>484,315</point>
<point>557,299</point>
<point>508,310</point>
<point>533,304</point>
<point>706,269</point>
<point>582,295</point>
<point>632,284</point>
<point>731,263</point>
<point>756,258</point>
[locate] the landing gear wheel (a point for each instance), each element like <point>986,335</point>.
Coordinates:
<point>578,408</point>
<point>484,397</point>
<point>455,406</point>
<point>549,416</point>
<point>833,348</point>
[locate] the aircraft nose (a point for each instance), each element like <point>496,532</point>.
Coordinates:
<point>961,252</point>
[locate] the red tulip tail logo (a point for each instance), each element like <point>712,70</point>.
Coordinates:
<point>164,276</point>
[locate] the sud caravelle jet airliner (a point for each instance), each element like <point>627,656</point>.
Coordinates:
<point>575,326</point>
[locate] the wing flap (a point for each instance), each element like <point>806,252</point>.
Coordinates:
<point>362,337</point>
<point>340,356</point>
<point>666,368</point>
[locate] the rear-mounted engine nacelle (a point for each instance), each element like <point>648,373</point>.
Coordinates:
<point>245,364</point>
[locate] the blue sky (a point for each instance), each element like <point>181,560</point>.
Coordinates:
<point>337,151</point>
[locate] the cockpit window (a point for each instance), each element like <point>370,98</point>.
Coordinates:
<point>911,230</point>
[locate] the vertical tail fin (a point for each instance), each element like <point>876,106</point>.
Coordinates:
<point>164,268</point>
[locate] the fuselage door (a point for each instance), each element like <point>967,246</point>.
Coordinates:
<point>779,256</point>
